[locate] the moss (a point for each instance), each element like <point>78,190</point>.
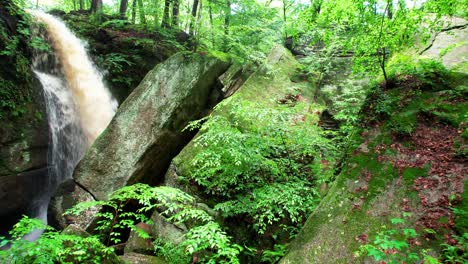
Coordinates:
<point>221,55</point>
<point>453,114</point>
<point>461,212</point>
<point>410,174</point>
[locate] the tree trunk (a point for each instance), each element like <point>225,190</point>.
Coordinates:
<point>382,44</point>
<point>142,12</point>
<point>96,6</point>
<point>227,17</point>
<point>165,20</point>
<point>227,21</point>
<point>382,65</point>
<point>285,7</point>
<point>123,8</point>
<point>81,5</point>
<point>210,13</point>
<point>156,12</point>
<point>193,17</point>
<point>175,13</point>
<point>317,6</point>
<point>390,9</point>
<point>134,7</point>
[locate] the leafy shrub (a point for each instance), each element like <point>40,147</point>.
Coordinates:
<point>261,163</point>
<point>419,73</point>
<point>52,246</point>
<point>273,256</point>
<point>117,64</point>
<point>391,246</point>
<point>205,235</point>
<point>115,23</point>
<point>457,253</point>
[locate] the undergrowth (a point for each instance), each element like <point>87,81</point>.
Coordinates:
<point>205,239</point>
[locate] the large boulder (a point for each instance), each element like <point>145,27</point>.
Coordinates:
<point>146,132</point>
<point>136,258</point>
<point>139,244</point>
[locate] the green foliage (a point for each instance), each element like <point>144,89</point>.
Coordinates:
<point>372,30</point>
<point>457,253</point>
<point>271,204</point>
<point>115,24</point>
<point>425,73</point>
<point>273,256</point>
<point>51,247</point>
<point>171,253</point>
<point>447,7</point>
<point>391,246</point>
<point>209,237</point>
<point>262,163</point>
<point>178,207</point>
<point>117,64</point>
<point>16,46</point>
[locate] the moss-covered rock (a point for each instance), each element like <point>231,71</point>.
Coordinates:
<point>271,90</point>
<point>24,129</point>
<point>403,163</point>
<point>135,258</point>
<point>146,131</point>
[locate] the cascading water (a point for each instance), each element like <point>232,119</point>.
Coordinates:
<point>79,106</point>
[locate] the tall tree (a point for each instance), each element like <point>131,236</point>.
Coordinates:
<point>123,8</point>
<point>142,12</point>
<point>81,5</point>
<point>155,11</point>
<point>194,16</point>
<point>96,6</point>
<point>227,22</point>
<point>175,13</point>
<point>134,7</point>
<point>165,23</point>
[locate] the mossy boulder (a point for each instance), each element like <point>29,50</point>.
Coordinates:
<point>270,89</point>
<point>262,87</point>
<point>136,258</point>
<point>146,131</point>
<point>450,45</point>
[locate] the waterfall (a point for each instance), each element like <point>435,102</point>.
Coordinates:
<point>79,106</point>
<point>94,103</point>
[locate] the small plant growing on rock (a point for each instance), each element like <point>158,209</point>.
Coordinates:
<point>391,246</point>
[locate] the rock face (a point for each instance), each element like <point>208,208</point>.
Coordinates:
<point>450,45</point>
<point>376,185</point>
<point>24,129</point>
<point>163,229</point>
<point>137,244</point>
<point>146,132</point>
<point>135,258</point>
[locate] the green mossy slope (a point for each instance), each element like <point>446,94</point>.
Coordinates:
<point>408,161</point>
